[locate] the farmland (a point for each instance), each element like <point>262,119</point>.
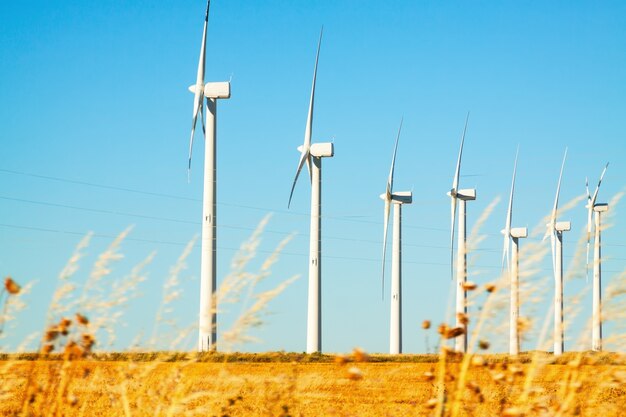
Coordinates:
<point>304,385</point>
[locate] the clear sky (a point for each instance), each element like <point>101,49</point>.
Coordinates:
<point>95,93</point>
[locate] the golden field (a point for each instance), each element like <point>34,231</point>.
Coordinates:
<point>353,385</point>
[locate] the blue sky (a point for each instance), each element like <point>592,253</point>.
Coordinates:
<point>95,93</point>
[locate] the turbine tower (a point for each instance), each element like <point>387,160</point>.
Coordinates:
<point>461,263</point>
<point>513,234</point>
<point>207,338</point>
<point>555,231</point>
<point>312,154</point>
<point>598,209</point>
<point>397,199</point>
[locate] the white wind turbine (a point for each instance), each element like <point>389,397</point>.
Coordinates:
<point>207,328</point>
<point>397,199</point>
<point>555,231</point>
<point>513,234</point>
<point>312,154</point>
<point>598,208</point>
<point>461,264</point>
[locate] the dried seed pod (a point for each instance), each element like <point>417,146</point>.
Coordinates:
<point>47,348</point>
<point>463,318</point>
<point>72,351</point>
<point>426,324</point>
<point>11,286</point>
<point>87,341</point>
<point>523,324</point>
<point>82,319</point>
<point>442,329</point>
<point>490,288</point>
<point>483,344</point>
<point>469,286</point>
<point>516,370</point>
<point>454,332</point>
<point>51,334</point>
<point>471,385</point>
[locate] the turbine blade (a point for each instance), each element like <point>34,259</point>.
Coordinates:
<point>197,110</point>
<point>509,215</point>
<point>558,191</point>
<point>595,194</point>
<point>199,90</point>
<point>553,247</point>
<point>393,162</point>
<point>455,181</point>
<point>309,120</point>
<point>308,168</point>
<point>303,157</point>
<point>202,60</point>
<point>385,228</point>
<point>452,223</point>
<point>591,201</point>
<point>202,119</point>
<point>589,213</point>
<point>589,223</point>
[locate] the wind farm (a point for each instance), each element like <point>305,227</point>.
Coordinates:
<point>112,250</point>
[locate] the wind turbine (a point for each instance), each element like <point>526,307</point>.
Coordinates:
<point>598,208</point>
<point>397,199</point>
<point>207,339</point>
<point>461,264</point>
<point>513,234</point>
<point>312,154</point>
<point>555,231</point>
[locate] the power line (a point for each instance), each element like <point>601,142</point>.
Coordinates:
<point>140,240</point>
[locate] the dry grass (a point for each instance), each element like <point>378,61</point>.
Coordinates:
<point>69,376</point>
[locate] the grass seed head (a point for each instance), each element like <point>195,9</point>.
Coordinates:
<point>426,324</point>
<point>11,286</point>
<point>490,288</point>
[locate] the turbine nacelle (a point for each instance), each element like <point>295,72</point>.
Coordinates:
<point>400,197</point>
<point>468,194</point>
<point>321,150</point>
<point>601,207</point>
<point>563,226</point>
<point>517,232</point>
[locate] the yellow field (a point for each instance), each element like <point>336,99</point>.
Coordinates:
<point>111,388</point>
